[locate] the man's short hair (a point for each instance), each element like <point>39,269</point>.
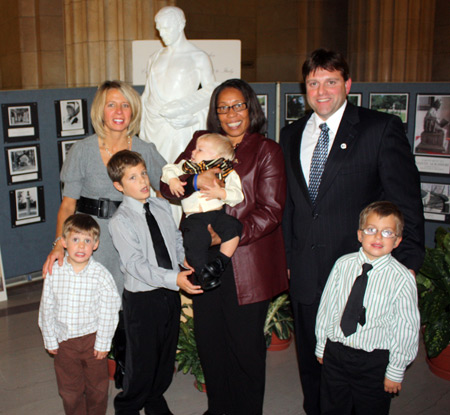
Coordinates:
<point>172,12</point>
<point>81,223</point>
<point>98,106</point>
<point>383,209</point>
<point>120,161</point>
<point>328,60</point>
<point>221,145</point>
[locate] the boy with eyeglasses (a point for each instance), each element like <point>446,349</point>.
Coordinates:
<point>367,326</point>
<point>205,207</point>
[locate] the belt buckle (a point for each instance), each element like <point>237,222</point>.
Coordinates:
<point>103,208</point>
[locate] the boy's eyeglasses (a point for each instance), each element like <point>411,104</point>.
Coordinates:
<point>225,109</point>
<point>385,233</point>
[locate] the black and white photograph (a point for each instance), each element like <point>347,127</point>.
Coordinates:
<point>262,99</point>
<point>355,99</point>
<point>23,164</point>
<point>27,206</point>
<point>3,295</point>
<point>64,147</point>
<point>432,129</point>
<point>396,104</point>
<point>435,199</point>
<point>20,122</point>
<point>71,116</point>
<point>296,106</point>
<point>19,115</point>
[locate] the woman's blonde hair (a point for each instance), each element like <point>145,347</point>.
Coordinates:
<point>98,106</point>
<point>221,144</point>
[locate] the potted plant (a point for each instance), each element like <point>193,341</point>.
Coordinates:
<point>433,282</point>
<point>279,326</point>
<point>187,354</point>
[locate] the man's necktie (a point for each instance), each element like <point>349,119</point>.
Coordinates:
<point>318,161</point>
<point>162,255</point>
<point>354,311</point>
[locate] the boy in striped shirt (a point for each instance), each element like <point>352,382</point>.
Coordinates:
<point>366,345</point>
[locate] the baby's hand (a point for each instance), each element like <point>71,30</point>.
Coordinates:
<point>392,387</point>
<point>176,186</point>
<point>214,192</point>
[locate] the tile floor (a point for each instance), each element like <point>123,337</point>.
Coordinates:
<point>28,385</point>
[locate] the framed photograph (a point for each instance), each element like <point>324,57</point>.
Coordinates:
<point>355,99</point>
<point>262,99</point>
<point>71,117</point>
<point>20,122</point>
<point>64,147</point>
<point>27,206</point>
<point>296,106</point>
<point>23,164</point>
<point>432,129</point>
<point>396,104</point>
<point>435,199</point>
<point>3,296</point>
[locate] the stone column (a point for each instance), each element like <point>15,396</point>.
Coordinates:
<point>390,40</point>
<point>99,35</point>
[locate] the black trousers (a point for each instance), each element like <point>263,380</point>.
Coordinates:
<point>353,380</point>
<point>232,349</point>
<point>152,322</point>
<point>197,239</point>
<point>309,367</point>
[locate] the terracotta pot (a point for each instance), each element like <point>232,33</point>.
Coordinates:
<point>277,344</point>
<point>440,365</point>
<point>111,368</point>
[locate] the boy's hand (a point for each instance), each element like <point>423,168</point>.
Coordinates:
<point>176,187</point>
<point>320,360</point>
<point>100,355</point>
<point>55,351</point>
<point>392,387</point>
<point>187,266</point>
<point>184,283</point>
<point>213,192</point>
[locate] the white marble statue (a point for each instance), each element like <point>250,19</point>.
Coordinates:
<point>180,80</point>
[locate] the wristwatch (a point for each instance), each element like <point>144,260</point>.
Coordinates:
<point>55,242</point>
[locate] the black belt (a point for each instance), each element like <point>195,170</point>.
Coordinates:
<point>103,208</point>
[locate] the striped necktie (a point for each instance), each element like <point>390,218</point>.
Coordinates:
<point>318,161</point>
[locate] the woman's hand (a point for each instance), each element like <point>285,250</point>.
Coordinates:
<point>214,192</point>
<point>57,254</point>
<point>208,177</point>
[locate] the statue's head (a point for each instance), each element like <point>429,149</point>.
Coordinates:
<point>170,22</point>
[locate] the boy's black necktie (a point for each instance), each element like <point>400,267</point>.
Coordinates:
<point>162,255</point>
<point>354,311</point>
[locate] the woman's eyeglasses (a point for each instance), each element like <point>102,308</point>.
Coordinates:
<point>385,233</point>
<point>225,109</point>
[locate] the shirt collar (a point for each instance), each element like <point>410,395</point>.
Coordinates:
<point>332,122</point>
<point>68,264</point>
<point>377,264</point>
<point>134,204</point>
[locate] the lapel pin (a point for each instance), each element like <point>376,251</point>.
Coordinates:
<point>343,146</point>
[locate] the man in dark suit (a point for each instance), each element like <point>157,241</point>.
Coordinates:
<point>369,158</point>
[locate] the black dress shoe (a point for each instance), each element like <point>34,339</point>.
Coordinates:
<point>207,281</point>
<point>215,268</point>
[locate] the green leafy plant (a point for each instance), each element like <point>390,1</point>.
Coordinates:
<point>187,354</point>
<point>433,283</point>
<point>279,319</point>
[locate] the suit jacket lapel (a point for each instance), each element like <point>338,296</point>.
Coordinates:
<point>296,140</point>
<point>345,138</point>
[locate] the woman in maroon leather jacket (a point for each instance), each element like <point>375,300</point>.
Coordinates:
<point>229,320</point>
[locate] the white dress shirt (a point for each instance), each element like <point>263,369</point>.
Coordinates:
<point>311,135</point>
